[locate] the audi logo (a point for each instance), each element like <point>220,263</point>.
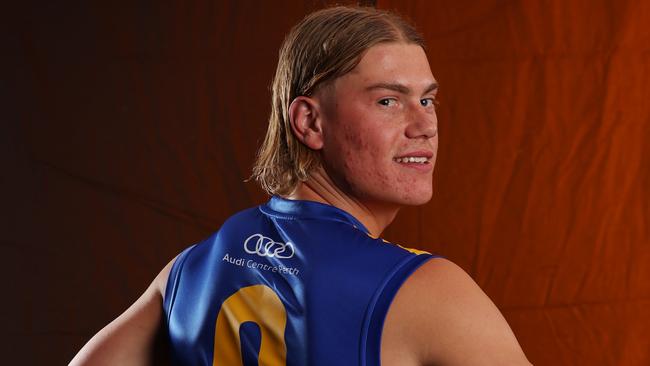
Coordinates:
<point>266,247</point>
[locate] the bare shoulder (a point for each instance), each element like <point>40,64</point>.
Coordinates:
<point>441,316</point>
<point>160,282</point>
<point>130,339</point>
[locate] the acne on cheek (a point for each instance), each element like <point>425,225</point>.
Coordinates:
<point>354,138</point>
<point>360,158</point>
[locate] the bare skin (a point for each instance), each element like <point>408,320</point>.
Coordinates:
<point>371,118</point>
<point>130,339</point>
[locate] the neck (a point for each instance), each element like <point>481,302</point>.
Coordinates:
<point>320,188</point>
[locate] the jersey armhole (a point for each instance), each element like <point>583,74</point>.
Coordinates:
<point>172,281</point>
<point>378,309</point>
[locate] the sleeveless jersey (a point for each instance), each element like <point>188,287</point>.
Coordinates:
<point>286,283</point>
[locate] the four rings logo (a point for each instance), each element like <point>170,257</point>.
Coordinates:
<point>266,247</point>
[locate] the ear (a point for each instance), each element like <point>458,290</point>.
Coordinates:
<point>306,124</point>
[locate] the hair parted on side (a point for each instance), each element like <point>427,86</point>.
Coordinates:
<point>325,45</point>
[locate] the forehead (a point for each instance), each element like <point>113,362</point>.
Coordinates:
<point>400,63</point>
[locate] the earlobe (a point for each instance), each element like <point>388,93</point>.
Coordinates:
<point>305,120</point>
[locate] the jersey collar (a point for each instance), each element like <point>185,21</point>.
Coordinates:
<point>279,206</point>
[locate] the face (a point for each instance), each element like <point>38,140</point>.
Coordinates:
<point>380,128</point>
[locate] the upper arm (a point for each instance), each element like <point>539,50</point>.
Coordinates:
<point>130,338</point>
<point>444,318</point>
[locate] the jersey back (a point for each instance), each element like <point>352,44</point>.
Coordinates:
<point>285,283</point>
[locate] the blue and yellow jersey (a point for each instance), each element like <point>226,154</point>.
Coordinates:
<point>286,283</point>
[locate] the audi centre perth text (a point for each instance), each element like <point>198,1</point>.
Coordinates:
<point>242,262</point>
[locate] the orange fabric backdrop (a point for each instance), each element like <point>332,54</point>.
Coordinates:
<point>543,175</point>
<point>131,130</point>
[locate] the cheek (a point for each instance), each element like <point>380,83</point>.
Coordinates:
<point>367,160</point>
<point>366,141</point>
<point>359,146</point>
<point>355,138</point>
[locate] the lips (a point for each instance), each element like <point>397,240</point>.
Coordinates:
<point>419,156</point>
<point>419,160</point>
<point>416,154</point>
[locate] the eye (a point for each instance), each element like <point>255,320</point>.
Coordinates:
<point>429,102</point>
<point>387,102</point>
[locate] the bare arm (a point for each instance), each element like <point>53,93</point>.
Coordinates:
<point>130,338</point>
<point>441,317</point>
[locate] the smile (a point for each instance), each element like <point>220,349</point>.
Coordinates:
<point>412,159</point>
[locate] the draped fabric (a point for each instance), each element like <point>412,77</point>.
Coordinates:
<point>128,132</point>
<point>542,185</point>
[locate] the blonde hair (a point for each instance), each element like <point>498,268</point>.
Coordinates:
<point>325,45</point>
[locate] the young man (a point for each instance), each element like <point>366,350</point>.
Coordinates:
<point>304,279</point>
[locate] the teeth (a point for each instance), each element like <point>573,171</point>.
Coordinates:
<point>411,159</point>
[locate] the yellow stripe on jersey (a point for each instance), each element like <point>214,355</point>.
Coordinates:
<point>414,251</point>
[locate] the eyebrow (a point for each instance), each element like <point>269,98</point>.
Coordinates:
<point>400,88</point>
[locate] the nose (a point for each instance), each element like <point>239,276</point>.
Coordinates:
<point>422,123</point>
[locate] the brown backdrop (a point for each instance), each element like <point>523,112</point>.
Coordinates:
<point>128,130</point>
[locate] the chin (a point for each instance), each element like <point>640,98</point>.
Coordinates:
<point>418,200</point>
<point>412,198</point>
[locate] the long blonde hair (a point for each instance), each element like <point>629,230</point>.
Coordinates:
<point>325,45</point>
